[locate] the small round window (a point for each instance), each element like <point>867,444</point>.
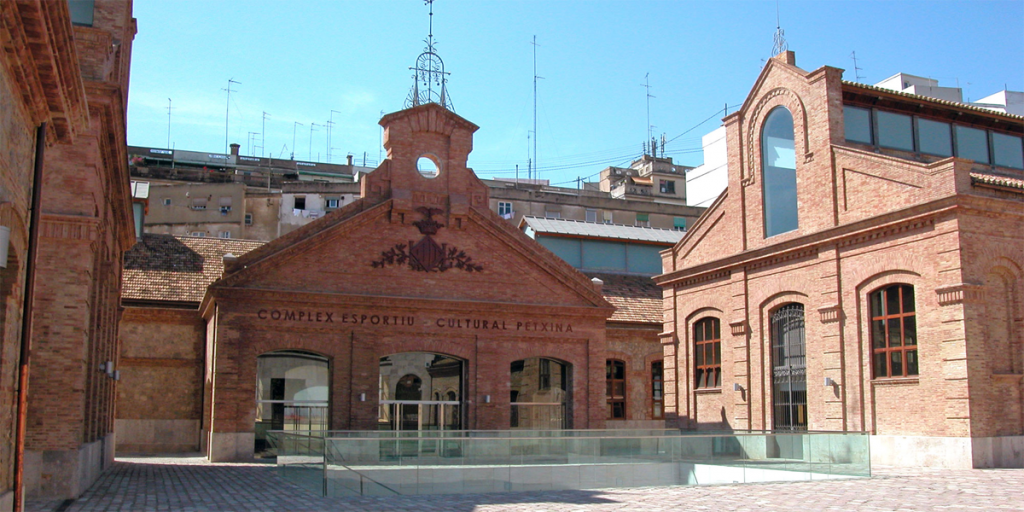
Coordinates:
<point>427,167</point>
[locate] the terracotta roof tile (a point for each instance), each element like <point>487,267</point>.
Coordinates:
<point>999,181</point>
<point>176,269</point>
<point>929,99</point>
<point>636,298</point>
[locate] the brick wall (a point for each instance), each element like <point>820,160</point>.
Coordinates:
<point>866,221</point>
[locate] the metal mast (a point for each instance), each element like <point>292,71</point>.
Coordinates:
<point>227,112</point>
<point>263,145</point>
<point>650,133</point>
<point>535,77</point>
<point>168,123</point>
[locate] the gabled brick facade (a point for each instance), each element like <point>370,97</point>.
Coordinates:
<point>419,264</point>
<point>868,218</point>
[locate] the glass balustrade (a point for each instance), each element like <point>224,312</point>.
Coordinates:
<point>382,463</point>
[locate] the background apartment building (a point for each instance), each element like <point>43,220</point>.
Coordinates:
<point>237,196</point>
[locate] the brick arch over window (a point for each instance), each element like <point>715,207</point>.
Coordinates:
<point>778,97</point>
<point>1003,305</point>
<point>922,299</point>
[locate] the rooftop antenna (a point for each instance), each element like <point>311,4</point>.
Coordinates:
<point>380,147</point>
<point>529,159</point>
<point>312,126</point>
<point>227,111</point>
<point>294,126</point>
<point>251,142</point>
<point>429,73</point>
<point>856,69</point>
<point>780,35</point>
<point>168,123</point>
<point>263,138</point>
<point>330,124</point>
<point>533,161</point>
<point>650,137</point>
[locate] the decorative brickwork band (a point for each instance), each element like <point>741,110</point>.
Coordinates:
<point>830,313</point>
<point>68,227</point>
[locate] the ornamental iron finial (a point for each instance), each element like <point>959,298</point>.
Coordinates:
<point>429,76</point>
<point>780,45</point>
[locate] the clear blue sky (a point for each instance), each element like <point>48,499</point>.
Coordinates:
<point>299,60</point>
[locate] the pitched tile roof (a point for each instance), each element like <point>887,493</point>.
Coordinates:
<point>176,268</point>
<point>996,180</point>
<point>636,298</point>
<point>609,231</point>
<point>168,268</point>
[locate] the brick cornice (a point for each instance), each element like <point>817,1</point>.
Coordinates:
<point>845,235</point>
<point>38,47</point>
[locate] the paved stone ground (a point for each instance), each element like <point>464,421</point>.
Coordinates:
<point>188,483</point>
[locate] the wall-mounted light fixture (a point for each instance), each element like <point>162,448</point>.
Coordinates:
<point>829,382</point>
<point>736,387</point>
<point>487,399</point>
<point>5,243</point>
<point>362,397</point>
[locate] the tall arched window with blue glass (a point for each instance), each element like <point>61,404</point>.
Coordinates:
<point>778,158</point>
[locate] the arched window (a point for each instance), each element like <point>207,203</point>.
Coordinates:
<point>778,159</point>
<point>615,388</point>
<point>707,353</point>
<point>789,367</point>
<point>893,332</point>
<point>409,388</point>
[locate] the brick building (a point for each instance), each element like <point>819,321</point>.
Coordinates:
<point>414,307</point>
<point>64,90</point>
<point>862,271</point>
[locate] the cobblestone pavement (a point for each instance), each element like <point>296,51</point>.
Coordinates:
<point>188,483</point>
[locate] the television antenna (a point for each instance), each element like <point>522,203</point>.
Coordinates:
<point>856,69</point>
<point>227,111</point>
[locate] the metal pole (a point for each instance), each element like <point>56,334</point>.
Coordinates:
<point>227,111</point>
<point>311,127</point>
<point>168,123</point>
<point>535,166</point>
<point>26,324</point>
<point>330,123</point>
<point>263,146</point>
<point>296,125</point>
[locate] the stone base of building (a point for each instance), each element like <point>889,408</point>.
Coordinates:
<point>66,474</point>
<point>231,446</point>
<point>157,436</point>
<point>7,501</point>
<point>948,452</point>
<point>634,424</point>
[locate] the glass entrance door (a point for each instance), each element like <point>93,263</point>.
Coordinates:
<point>420,393</point>
<point>415,415</point>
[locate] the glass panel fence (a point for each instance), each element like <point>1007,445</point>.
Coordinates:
<point>376,464</point>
